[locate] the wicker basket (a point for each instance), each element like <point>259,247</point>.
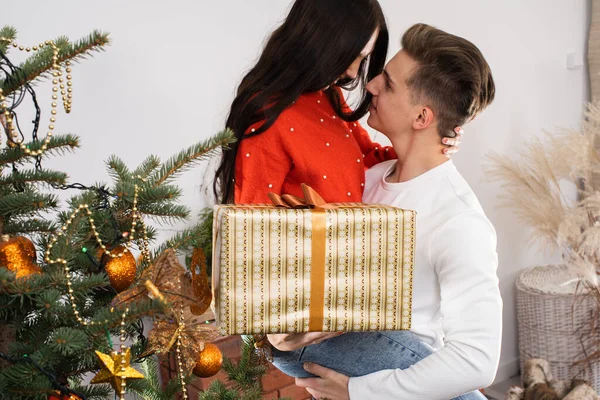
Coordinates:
<point>549,313</point>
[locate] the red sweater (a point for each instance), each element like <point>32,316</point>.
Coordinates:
<point>309,144</point>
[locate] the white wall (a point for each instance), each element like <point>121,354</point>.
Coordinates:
<point>168,77</point>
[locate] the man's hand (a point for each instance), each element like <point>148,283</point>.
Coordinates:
<point>295,341</point>
<point>329,385</point>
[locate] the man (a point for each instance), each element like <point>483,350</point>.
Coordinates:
<point>436,82</point>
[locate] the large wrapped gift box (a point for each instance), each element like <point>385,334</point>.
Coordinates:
<point>325,267</point>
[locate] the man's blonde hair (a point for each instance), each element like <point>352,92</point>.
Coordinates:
<point>451,75</point>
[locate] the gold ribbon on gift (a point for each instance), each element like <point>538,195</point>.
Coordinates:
<point>315,202</point>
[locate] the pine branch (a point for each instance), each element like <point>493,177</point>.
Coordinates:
<point>125,189</point>
<point>148,166</point>
<point>205,235</point>
<point>58,145</point>
<point>15,288</point>
<point>36,387</point>
<point>189,157</point>
<point>117,169</point>
<point>181,240</point>
<point>67,341</point>
<point>51,279</point>
<point>200,235</point>
<point>165,213</point>
<point>28,202</point>
<point>3,384</point>
<point>39,381</point>
<point>246,373</point>
<point>39,65</point>
<point>33,225</point>
<point>162,193</point>
<point>254,393</point>
<point>31,175</point>
<point>218,391</point>
<point>152,388</point>
<point>48,300</point>
<point>93,392</point>
<point>86,197</point>
<point>8,32</point>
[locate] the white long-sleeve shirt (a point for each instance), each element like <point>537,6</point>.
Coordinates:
<point>457,308</point>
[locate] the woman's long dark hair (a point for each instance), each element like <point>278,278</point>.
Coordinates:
<point>311,50</point>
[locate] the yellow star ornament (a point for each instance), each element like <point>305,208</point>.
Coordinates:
<point>116,370</point>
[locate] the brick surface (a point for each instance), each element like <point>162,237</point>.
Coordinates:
<point>273,395</point>
<point>294,392</point>
<point>275,379</point>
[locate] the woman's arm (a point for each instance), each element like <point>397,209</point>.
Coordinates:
<point>262,165</point>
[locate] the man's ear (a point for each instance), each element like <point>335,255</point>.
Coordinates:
<point>424,119</point>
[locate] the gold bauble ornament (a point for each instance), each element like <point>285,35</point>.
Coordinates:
<point>27,270</point>
<point>18,255</point>
<point>209,362</point>
<point>121,270</point>
<point>116,369</point>
<point>59,396</point>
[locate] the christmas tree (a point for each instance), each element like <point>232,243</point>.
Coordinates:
<point>73,297</point>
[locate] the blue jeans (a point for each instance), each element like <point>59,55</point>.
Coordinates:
<point>359,353</point>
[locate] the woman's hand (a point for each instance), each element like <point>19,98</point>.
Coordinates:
<point>453,143</point>
<point>295,341</point>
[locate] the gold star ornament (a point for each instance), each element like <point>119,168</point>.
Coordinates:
<point>116,370</point>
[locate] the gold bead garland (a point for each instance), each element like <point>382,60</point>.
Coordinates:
<point>58,83</point>
<point>178,351</point>
<point>123,360</point>
<point>131,237</point>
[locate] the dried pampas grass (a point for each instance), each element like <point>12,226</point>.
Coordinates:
<point>537,186</point>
